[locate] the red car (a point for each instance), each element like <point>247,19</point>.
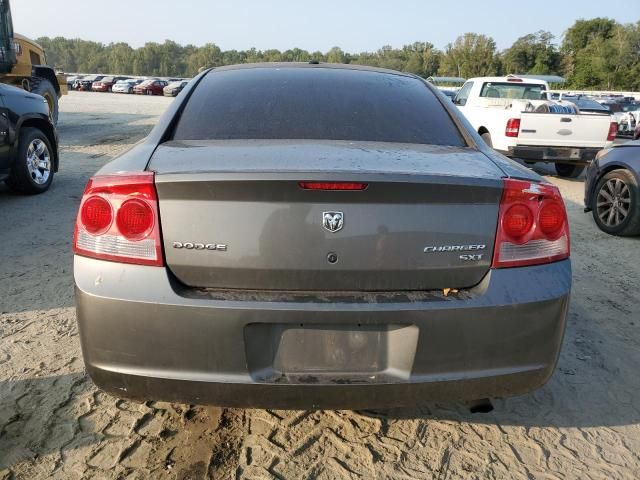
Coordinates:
<point>150,87</point>
<point>106,84</point>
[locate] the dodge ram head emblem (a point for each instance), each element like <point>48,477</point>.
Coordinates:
<point>332,221</point>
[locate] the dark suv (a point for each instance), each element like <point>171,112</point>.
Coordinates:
<point>28,141</point>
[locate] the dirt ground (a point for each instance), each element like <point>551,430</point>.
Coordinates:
<point>585,423</point>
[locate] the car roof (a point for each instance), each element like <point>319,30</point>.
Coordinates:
<point>334,66</point>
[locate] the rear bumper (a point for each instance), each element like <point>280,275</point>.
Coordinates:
<point>145,337</point>
<point>577,155</point>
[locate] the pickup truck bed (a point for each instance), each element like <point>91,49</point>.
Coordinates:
<point>504,111</point>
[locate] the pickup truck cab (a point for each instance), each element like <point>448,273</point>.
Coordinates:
<point>517,117</point>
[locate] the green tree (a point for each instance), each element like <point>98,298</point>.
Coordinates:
<point>421,58</point>
<point>207,56</point>
<point>532,53</point>
<point>471,55</point>
<point>598,53</point>
<point>336,55</point>
<point>585,38</point>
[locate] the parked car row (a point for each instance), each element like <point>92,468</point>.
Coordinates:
<point>126,86</point>
<point>121,84</point>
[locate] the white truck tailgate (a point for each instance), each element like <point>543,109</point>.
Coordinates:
<point>553,129</point>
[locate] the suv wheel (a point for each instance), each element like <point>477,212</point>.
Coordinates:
<point>569,170</point>
<point>616,208</point>
<point>32,169</point>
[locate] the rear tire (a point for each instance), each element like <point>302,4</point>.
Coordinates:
<point>487,139</point>
<point>616,192</point>
<point>32,174</point>
<point>42,86</point>
<point>569,170</point>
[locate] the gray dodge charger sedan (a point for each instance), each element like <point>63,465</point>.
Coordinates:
<point>318,236</point>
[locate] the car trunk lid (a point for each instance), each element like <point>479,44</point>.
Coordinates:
<point>234,215</point>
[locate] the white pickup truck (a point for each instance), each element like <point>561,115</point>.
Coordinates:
<point>516,116</point>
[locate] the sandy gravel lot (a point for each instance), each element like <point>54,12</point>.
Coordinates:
<point>585,423</point>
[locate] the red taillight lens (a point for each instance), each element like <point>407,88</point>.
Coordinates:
<point>134,236</point>
<point>551,218</point>
<point>513,127</point>
<point>333,185</point>
<point>96,215</point>
<point>532,225</point>
<point>613,131</point>
<point>517,221</point>
<point>135,219</point>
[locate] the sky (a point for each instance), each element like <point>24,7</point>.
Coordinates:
<point>353,25</point>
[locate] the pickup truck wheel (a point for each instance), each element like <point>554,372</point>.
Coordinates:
<point>487,139</point>
<point>617,204</point>
<point>569,170</point>
<point>32,169</point>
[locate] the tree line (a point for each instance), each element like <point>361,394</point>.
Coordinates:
<point>594,54</point>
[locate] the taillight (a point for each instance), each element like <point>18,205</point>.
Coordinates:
<point>333,185</point>
<point>513,127</point>
<point>532,225</point>
<point>135,219</point>
<point>96,215</point>
<point>118,220</point>
<point>613,131</point>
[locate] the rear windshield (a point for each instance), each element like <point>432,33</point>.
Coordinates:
<point>315,104</point>
<point>513,91</point>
